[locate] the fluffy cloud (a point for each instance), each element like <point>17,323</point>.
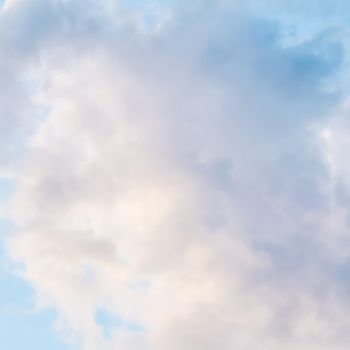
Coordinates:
<point>181,175</point>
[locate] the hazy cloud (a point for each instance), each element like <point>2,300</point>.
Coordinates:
<point>183,170</point>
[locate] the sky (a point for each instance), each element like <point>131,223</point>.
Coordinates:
<point>174,174</point>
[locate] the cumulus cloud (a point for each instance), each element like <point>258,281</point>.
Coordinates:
<point>182,170</point>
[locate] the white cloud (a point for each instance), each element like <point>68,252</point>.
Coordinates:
<point>177,179</point>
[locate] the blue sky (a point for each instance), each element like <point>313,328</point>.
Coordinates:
<point>174,175</point>
<point>20,325</point>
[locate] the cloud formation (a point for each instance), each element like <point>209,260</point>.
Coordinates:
<point>182,172</point>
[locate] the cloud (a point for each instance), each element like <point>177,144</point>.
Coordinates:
<point>176,174</point>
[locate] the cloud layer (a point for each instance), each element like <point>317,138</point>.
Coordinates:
<point>181,170</point>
